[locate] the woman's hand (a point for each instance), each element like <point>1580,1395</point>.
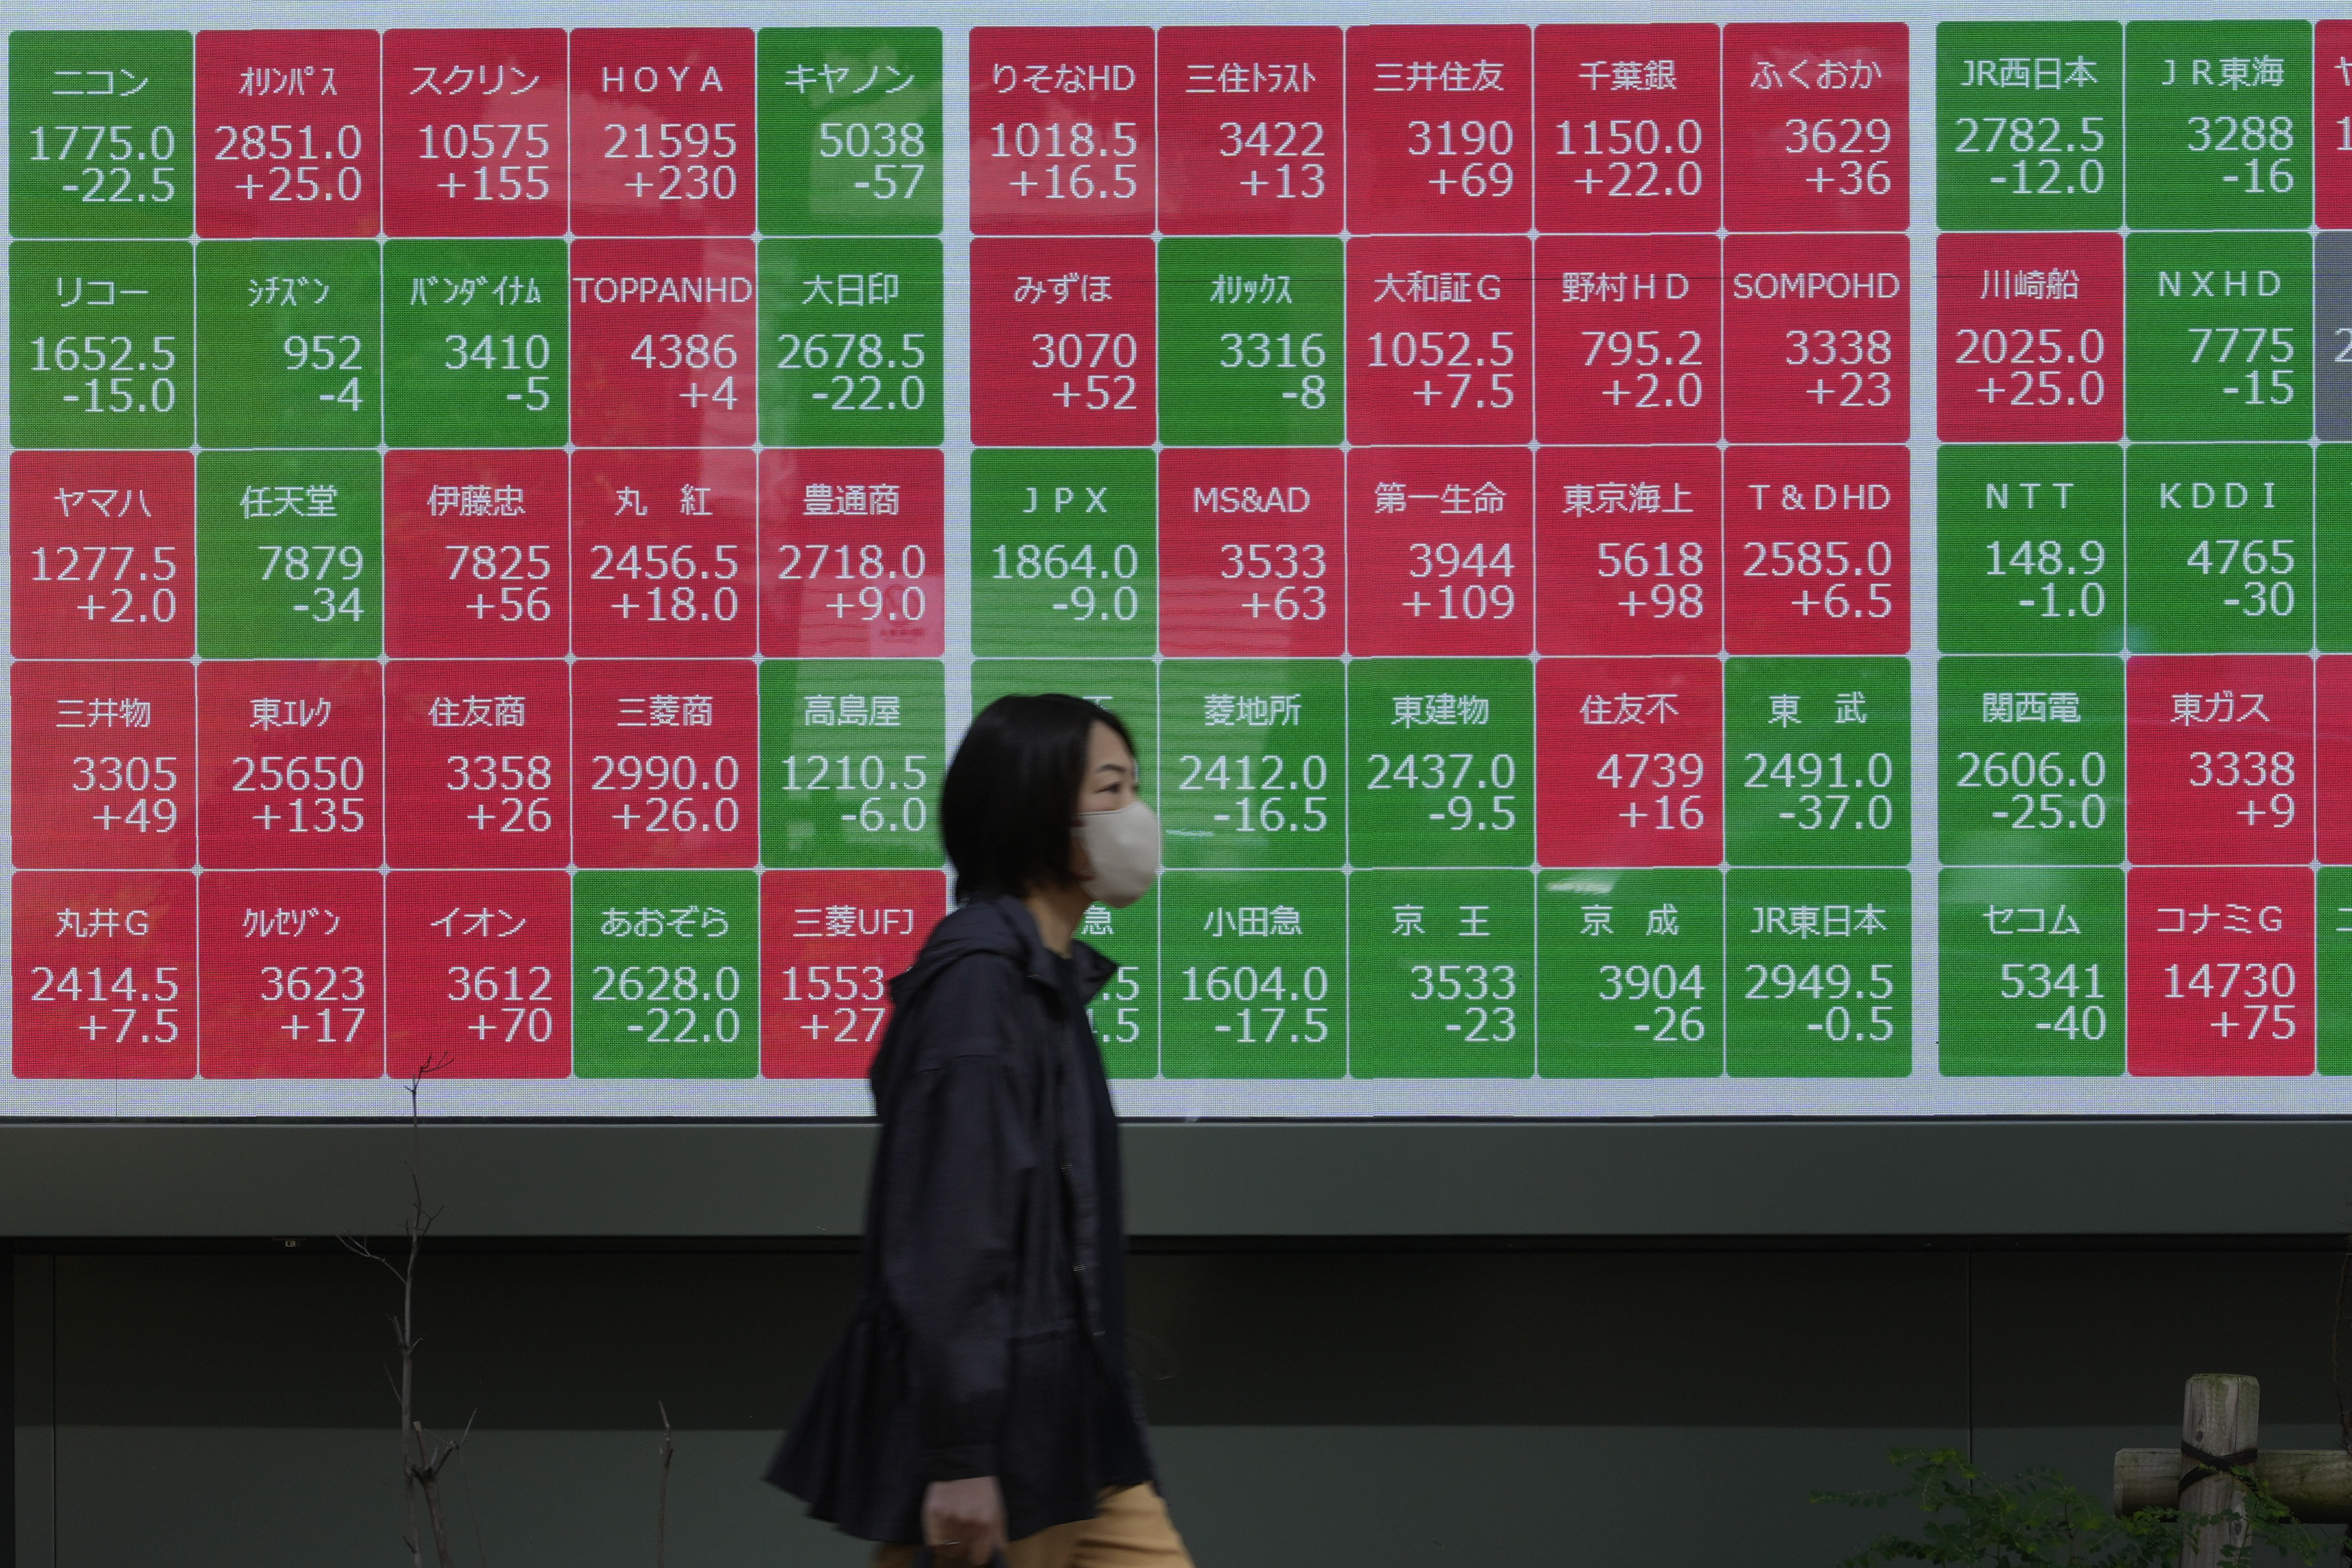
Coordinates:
<point>963,1521</point>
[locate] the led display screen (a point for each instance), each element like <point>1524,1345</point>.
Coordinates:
<point>1662,561</point>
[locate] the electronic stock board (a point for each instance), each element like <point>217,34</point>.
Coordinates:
<point>1673,566</point>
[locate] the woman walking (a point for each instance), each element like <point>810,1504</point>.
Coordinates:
<point>980,1401</point>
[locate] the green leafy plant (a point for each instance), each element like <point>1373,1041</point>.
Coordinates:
<point>2037,1518</point>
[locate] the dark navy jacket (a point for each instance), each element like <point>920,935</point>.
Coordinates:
<point>985,1340</point>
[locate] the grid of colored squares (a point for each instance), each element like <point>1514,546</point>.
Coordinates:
<point>1435,248</point>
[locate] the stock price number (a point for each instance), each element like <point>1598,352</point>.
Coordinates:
<point>1478,799</point>
<point>1258,783</point>
<point>1651,353</point>
<point>482,145</point>
<point>1102,390</point>
<point>97,359</point>
<point>891,797</point>
<point>122,1002</point>
<point>847,1002</point>
<point>1073,153</point>
<point>2082,1018</point>
<point>1296,567</point>
<point>1279,142</point>
<point>2265,564</point>
<point>135,792</point>
<point>104,156</point>
<point>1268,1002</point>
<point>329,353</point>
<point>1075,565</point>
<point>1669,773</point>
<point>870,566</point>
<point>1444,566</point>
<point>687,152</point>
<point>1280,352</point>
<point>1856,145</point>
<point>682,1005</point>
<point>2043,782</point>
<point>858,360</point>
<point>342,989</point>
<point>2254,134</point>
<point>1485,144</point>
<point>2259,995</point>
<point>1679,567</point>
<point>1456,359</point>
<point>317,794</point>
<point>1829,559</point>
<point>1485,992</point>
<point>2249,770</point>
<point>517,999</point>
<point>324,568</point>
<point>692,351</point>
<point>2037,142</point>
<point>1837,348</point>
<point>2267,351</point>
<point>1638,151</point>
<point>303,163</point>
<point>666,794</point>
<point>2031,352</point>
<point>882,145</point>
<point>520,572</point>
<point>97,564</point>
<point>671,581</point>
<point>1673,1021</point>
<point>1116,1011</point>
<point>1830,796</point>
<point>510,777</point>
<point>527,355</point>
<point>2048,559</point>
<point>1834,983</point>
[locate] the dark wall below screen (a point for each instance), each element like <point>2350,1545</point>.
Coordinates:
<point>1388,1402</point>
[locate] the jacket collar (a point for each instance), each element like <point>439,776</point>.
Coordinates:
<point>1094,970</point>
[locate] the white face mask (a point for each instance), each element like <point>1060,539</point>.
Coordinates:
<point>1123,847</point>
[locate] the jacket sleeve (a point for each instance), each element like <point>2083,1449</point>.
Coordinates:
<point>958,1147</point>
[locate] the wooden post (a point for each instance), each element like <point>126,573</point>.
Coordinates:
<point>2221,1420</point>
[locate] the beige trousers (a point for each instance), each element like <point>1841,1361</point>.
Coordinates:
<point>1132,1529</point>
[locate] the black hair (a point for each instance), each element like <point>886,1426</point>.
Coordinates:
<point>1004,812</point>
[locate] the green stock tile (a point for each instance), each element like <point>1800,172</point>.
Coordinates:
<point>1632,973</point>
<point>1253,336</point>
<point>666,974</point>
<point>2032,967</point>
<point>2029,543</point>
<point>1252,755</point>
<point>1065,556</point>
<point>288,343</point>
<point>102,336</point>
<point>1820,967</point>
<point>2030,760</point>
<point>852,752</point>
<point>290,555</point>
<point>1253,974</point>
<point>2217,337</point>
<point>851,335</point>
<point>102,140</point>
<point>1817,761</point>
<point>850,131</point>
<point>1441,762</point>
<point>1441,979</point>
<point>2220,124</point>
<point>477,346</point>
<point>2029,125</point>
<point>2219,540</point>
